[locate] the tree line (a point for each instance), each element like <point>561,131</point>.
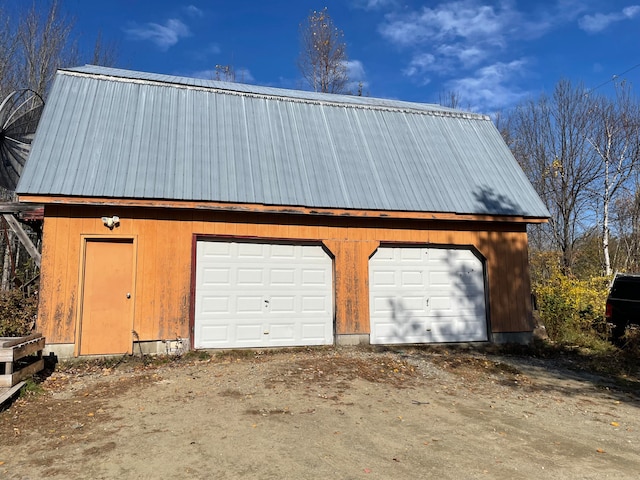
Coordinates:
<point>36,41</point>
<point>581,151</point>
<point>579,148</point>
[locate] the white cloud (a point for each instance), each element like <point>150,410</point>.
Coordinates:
<point>631,11</point>
<point>467,55</point>
<point>452,38</point>
<point>194,11</point>
<point>489,87</point>
<point>455,21</point>
<point>355,70</point>
<point>213,49</point>
<point>467,45</point>
<point>164,36</point>
<point>374,4</point>
<point>357,77</point>
<point>601,21</point>
<point>243,75</point>
<point>420,64</point>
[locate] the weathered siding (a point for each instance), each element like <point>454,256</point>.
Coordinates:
<point>165,239</point>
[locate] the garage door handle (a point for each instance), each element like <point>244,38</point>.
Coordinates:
<point>427,302</point>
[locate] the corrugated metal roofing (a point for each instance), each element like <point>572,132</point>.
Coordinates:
<point>122,134</point>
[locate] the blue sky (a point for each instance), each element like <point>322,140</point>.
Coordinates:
<point>493,54</point>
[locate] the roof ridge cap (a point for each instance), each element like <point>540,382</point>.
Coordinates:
<point>337,103</point>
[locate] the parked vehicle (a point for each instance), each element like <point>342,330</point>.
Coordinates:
<point>623,304</point>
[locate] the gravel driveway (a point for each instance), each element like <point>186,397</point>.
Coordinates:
<point>338,413</point>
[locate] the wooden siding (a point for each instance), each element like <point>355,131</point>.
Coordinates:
<point>165,240</point>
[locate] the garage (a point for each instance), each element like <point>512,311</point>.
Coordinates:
<point>427,295</point>
<point>261,215</point>
<point>251,294</point>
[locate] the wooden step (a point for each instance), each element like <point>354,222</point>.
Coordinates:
<point>21,357</point>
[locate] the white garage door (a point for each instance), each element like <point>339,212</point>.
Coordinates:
<point>426,295</point>
<point>262,295</point>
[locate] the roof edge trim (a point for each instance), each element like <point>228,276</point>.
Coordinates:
<point>274,209</point>
<point>224,91</point>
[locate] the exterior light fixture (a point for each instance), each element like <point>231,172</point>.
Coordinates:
<point>111,222</point>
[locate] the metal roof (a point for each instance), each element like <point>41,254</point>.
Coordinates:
<point>122,134</point>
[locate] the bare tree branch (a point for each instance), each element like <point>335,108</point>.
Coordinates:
<point>323,56</point>
<point>548,140</point>
<point>45,44</point>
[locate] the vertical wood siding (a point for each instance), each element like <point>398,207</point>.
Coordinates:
<point>164,264</point>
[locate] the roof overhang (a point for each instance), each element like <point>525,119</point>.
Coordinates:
<point>274,209</point>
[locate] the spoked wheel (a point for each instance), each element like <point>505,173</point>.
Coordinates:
<point>19,116</point>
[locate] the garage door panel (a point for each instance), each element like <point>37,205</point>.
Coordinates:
<point>410,255</point>
<point>248,276</point>
<point>315,333</point>
<point>313,277</point>
<point>214,305</point>
<point>282,251</point>
<point>315,304</point>
<point>249,334</point>
<point>218,250</point>
<point>249,250</point>
<point>443,279</point>
<point>282,277</point>
<point>282,332</point>
<point>215,335</point>
<point>216,276</point>
<point>381,304</point>
<point>253,295</point>
<point>409,329</point>
<point>439,303</point>
<point>283,304</point>
<point>248,304</point>
<point>411,304</point>
<point>384,278</point>
<point>443,330</point>
<point>424,295</point>
<point>411,278</point>
<point>314,255</point>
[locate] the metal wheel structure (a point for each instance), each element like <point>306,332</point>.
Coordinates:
<point>19,116</point>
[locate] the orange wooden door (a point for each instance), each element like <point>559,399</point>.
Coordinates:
<point>107,297</point>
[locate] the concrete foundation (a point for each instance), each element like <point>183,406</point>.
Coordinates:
<point>65,351</point>
<point>520,338</point>
<point>351,340</point>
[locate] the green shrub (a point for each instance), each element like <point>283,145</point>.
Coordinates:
<point>17,313</point>
<point>573,310</point>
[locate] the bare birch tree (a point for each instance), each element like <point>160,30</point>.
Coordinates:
<point>615,138</point>
<point>323,55</point>
<point>550,144</point>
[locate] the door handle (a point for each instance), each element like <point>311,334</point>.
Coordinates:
<point>128,295</point>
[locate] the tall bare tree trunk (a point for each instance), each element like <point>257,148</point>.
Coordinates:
<point>6,266</point>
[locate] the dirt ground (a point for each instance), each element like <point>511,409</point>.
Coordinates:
<point>338,413</point>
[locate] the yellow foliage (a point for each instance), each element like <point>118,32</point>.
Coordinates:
<point>572,309</point>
